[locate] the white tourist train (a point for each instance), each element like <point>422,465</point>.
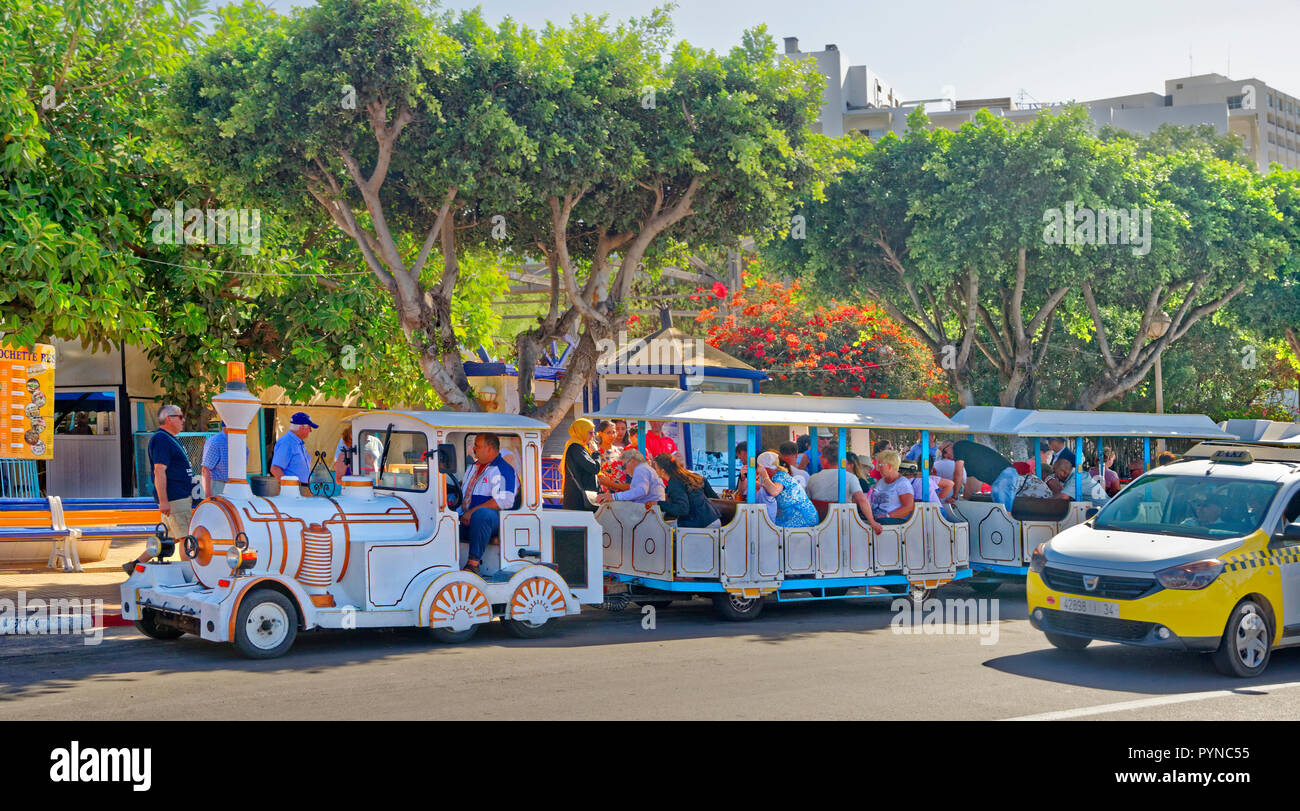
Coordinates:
<point>1002,541</point>
<point>385,553</point>
<point>750,559</point>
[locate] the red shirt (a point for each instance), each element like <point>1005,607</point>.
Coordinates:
<point>656,443</point>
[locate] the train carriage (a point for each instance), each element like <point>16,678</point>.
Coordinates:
<point>750,559</point>
<point>1002,542</point>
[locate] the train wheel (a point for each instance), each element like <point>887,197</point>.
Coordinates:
<point>267,624</point>
<point>735,608</point>
<point>1066,642</point>
<point>1244,649</point>
<point>147,626</point>
<point>453,637</point>
<point>837,592</point>
<point>919,594</point>
<point>985,587</point>
<point>527,629</point>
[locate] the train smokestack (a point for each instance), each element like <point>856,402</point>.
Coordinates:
<point>238,408</point>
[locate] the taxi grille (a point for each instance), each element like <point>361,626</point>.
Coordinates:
<point>1108,586</point>
<point>1095,627</point>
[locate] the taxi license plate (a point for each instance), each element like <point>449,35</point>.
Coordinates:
<point>1096,608</point>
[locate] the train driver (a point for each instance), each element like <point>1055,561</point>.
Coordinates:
<point>490,488</point>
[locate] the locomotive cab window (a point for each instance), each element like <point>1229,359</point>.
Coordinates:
<point>511,451</point>
<point>401,464</point>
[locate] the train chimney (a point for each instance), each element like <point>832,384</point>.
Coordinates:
<point>238,408</point>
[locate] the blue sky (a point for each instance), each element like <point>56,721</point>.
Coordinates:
<point>1051,49</point>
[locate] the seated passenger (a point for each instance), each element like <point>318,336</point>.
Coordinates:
<point>490,488</point>
<point>788,452</point>
<point>644,484</point>
<point>1111,480</point>
<point>891,498</point>
<point>687,495</point>
<point>824,485</point>
<point>742,472</point>
<point>787,502</point>
<point>1061,483</point>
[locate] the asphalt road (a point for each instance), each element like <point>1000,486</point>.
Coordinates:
<point>836,660</point>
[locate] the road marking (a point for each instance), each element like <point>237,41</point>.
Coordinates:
<point>1161,701</point>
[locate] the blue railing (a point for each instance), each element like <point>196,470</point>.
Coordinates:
<point>18,479</point>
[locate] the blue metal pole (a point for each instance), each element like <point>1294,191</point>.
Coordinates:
<point>731,457</point>
<point>844,450</point>
<point>814,461</point>
<point>751,455</point>
<point>1078,472</point>
<point>925,465</point>
<point>1038,459</point>
<point>1146,453</point>
<point>640,436</point>
<point>1101,462</point>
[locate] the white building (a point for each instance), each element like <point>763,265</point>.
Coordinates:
<point>857,99</point>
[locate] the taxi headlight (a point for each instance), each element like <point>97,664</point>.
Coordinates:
<point>1193,576</point>
<point>1039,558</point>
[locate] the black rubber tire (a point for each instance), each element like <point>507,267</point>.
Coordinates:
<point>737,609</point>
<point>451,637</point>
<point>658,604</point>
<point>616,603</point>
<point>1228,658</point>
<point>839,591</point>
<point>153,630</point>
<point>1067,642</point>
<point>252,600</point>
<point>985,587</point>
<point>920,594</point>
<point>525,630</point>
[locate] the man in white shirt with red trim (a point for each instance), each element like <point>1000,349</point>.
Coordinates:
<point>489,488</point>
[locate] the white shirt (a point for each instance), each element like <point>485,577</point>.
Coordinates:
<point>800,475</point>
<point>489,483</point>
<point>945,468</point>
<point>824,485</point>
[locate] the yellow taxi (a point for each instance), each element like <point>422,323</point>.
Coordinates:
<point>1202,554</point>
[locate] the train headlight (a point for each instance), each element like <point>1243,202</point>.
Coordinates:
<point>1191,576</point>
<point>240,559</point>
<point>1039,558</point>
<point>160,546</point>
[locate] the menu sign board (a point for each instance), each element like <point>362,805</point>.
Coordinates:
<point>27,401</point>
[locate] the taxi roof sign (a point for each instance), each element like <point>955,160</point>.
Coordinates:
<point>1235,456</point>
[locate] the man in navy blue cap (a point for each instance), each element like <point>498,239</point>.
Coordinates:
<point>291,457</point>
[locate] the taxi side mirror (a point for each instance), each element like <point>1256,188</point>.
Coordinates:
<point>1091,512</point>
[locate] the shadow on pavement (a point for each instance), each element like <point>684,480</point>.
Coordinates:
<point>128,657</point>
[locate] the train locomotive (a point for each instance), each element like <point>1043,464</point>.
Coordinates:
<point>386,552</point>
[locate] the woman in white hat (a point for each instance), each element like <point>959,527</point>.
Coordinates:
<point>782,493</point>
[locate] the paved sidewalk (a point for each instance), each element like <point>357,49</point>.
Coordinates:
<point>99,580</point>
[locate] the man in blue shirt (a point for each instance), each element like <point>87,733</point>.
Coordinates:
<point>173,478</point>
<point>490,487</point>
<point>215,468</point>
<point>291,457</point>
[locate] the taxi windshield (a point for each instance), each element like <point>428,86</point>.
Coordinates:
<point>1191,506</point>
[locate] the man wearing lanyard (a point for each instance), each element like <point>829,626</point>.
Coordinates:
<point>173,478</point>
<point>290,457</point>
<point>490,488</point>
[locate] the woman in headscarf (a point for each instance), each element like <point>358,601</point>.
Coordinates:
<point>578,467</point>
<point>787,502</point>
<point>686,496</point>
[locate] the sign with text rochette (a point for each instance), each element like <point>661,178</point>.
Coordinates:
<point>26,401</point>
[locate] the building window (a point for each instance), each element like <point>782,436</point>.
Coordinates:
<point>1234,102</point>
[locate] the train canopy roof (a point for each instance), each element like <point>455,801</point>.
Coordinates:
<point>1030,423</point>
<point>732,408</point>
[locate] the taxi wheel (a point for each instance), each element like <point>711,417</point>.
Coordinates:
<point>147,626</point>
<point>736,608</point>
<point>1244,650</point>
<point>1066,642</point>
